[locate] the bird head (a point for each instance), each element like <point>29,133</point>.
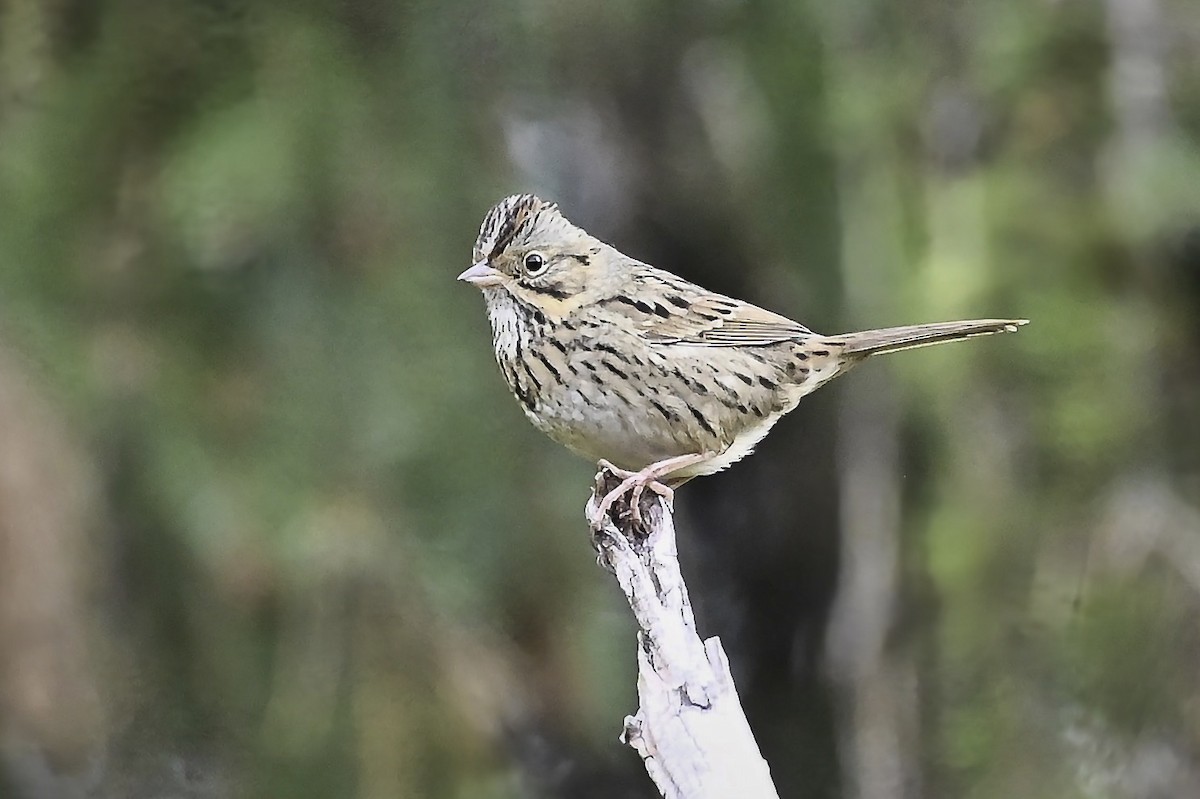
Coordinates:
<point>527,248</point>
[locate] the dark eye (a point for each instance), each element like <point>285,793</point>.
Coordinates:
<point>535,263</point>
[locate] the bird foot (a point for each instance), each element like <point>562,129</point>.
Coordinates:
<point>634,484</point>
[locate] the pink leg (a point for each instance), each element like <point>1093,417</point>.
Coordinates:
<point>647,477</point>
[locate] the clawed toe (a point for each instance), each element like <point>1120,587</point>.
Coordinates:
<point>609,466</point>
<point>613,496</point>
<point>635,500</point>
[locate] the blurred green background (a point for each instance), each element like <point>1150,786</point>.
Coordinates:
<point>271,526</point>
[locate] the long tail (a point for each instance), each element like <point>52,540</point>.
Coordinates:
<point>894,339</point>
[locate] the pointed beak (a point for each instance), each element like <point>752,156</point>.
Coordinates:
<point>481,275</point>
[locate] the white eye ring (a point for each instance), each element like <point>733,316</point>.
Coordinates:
<point>535,264</point>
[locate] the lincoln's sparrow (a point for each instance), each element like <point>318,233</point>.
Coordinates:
<point>626,363</point>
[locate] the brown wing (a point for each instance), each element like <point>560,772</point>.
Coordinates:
<point>684,313</point>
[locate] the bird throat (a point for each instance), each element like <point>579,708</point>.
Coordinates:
<point>514,326</point>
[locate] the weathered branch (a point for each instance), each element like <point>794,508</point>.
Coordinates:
<point>690,729</point>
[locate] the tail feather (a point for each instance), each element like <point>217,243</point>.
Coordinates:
<point>894,339</point>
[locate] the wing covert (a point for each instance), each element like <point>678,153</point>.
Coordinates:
<point>684,313</point>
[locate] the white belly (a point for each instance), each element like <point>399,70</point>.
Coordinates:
<point>607,427</point>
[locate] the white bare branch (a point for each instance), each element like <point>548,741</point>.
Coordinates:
<point>690,729</point>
